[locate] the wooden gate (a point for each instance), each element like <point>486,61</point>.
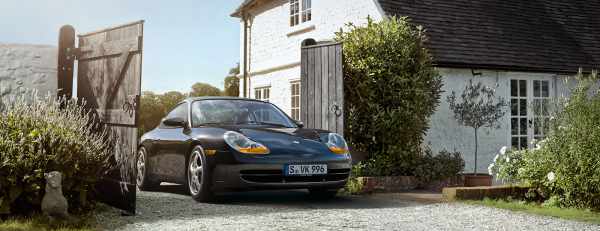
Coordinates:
<point>322,86</point>
<point>109,80</point>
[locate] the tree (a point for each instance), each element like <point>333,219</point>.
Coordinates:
<point>204,89</point>
<point>478,108</point>
<point>391,89</point>
<point>232,82</point>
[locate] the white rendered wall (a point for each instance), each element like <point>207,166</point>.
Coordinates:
<point>446,133</point>
<point>27,67</point>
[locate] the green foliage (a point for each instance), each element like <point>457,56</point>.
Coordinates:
<point>232,82</point>
<point>354,186</point>
<point>583,215</point>
<point>204,89</point>
<point>478,108</point>
<point>439,167</point>
<point>566,164</point>
<point>37,136</point>
<point>391,89</point>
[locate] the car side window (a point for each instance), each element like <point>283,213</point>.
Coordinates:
<point>180,111</point>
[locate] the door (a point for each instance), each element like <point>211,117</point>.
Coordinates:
<point>529,111</point>
<point>322,87</point>
<point>171,151</point>
<point>109,80</point>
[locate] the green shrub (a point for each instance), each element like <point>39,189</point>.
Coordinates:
<point>506,165</point>
<point>391,90</point>
<point>37,136</point>
<point>565,166</point>
<point>438,167</point>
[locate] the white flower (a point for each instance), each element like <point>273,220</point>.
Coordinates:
<point>491,169</point>
<point>551,117</point>
<point>551,177</point>
<point>507,159</point>
<point>503,150</point>
<point>496,158</point>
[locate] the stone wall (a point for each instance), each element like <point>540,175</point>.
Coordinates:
<point>27,67</point>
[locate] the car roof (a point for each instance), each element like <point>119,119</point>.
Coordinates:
<point>192,99</point>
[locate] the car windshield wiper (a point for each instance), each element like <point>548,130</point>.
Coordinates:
<point>264,123</point>
<point>209,123</point>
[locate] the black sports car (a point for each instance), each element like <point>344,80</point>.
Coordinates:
<point>215,144</point>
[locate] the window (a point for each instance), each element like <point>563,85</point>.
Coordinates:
<point>297,14</point>
<point>295,100</point>
<point>262,93</point>
<point>180,111</point>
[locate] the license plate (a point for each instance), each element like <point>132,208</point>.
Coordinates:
<point>305,169</point>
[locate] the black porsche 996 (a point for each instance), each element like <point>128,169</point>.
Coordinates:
<point>217,144</point>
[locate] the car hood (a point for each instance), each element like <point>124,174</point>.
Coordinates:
<point>287,142</point>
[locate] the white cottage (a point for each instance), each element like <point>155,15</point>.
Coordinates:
<point>523,48</point>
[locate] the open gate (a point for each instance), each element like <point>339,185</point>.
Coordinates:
<point>322,86</point>
<point>109,72</point>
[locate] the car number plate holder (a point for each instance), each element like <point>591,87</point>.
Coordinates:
<point>305,169</point>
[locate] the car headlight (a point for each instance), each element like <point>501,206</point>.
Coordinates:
<point>336,143</point>
<point>243,144</point>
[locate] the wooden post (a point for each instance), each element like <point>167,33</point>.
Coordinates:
<point>66,61</point>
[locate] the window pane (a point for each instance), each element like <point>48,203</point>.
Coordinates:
<point>537,126</point>
<point>515,142</point>
<point>545,103</point>
<point>523,107</point>
<point>522,88</point>
<point>545,89</point>
<point>546,126</point>
<point>514,107</point>
<point>514,126</point>
<point>514,88</point>
<point>523,126</point>
<point>523,143</point>
<point>536,88</point>
<point>536,107</point>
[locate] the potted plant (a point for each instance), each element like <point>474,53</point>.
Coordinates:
<point>477,108</point>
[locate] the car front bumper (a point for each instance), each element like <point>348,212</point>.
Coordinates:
<point>259,176</point>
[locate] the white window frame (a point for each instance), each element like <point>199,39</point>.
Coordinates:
<point>262,93</point>
<point>300,12</point>
<point>295,96</point>
<point>531,114</point>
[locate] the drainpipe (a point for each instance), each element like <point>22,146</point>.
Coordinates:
<point>245,71</point>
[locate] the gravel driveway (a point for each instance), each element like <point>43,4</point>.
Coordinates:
<point>294,210</point>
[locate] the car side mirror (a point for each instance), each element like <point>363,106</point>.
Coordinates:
<point>174,122</point>
<point>299,124</point>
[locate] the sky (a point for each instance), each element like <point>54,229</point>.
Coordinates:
<point>185,41</point>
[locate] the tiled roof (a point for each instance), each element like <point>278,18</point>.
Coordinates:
<point>536,35</point>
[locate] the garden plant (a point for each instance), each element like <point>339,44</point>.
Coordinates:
<point>478,107</point>
<point>43,134</point>
<point>563,169</point>
<point>391,90</point>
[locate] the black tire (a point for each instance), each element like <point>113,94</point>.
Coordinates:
<point>323,193</point>
<point>203,191</point>
<point>143,181</point>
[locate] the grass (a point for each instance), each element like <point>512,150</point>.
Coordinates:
<point>535,208</point>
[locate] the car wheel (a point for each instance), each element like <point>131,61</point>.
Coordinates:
<point>198,176</point>
<point>323,193</point>
<point>143,181</point>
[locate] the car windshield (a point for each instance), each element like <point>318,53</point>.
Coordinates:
<point>217,111</point>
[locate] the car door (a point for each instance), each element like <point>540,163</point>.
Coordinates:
<point>171,148</point>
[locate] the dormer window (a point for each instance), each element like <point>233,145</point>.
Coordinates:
<point>300,13</point>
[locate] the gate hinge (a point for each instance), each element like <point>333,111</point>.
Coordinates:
<point>73,53</point>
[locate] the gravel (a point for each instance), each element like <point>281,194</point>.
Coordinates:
<point>294,210</point>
